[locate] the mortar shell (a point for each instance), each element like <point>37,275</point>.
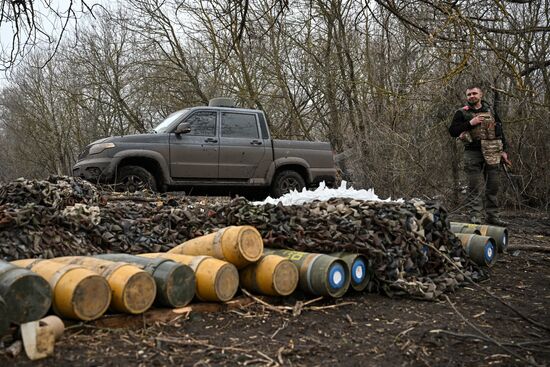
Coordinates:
<point>357,264</point>
<point>319,274</point>
<point>273,275</point>
<point>78,293</point>
<point>175,282</point>
<point>239,245</point>
<point>27,296</point>
<point>216,280</point>
<point>133,290</point>
<point>499,234</point>
<point>481,249</point>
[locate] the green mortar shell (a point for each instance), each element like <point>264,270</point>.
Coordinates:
<point>479,248</point>
<point>27,295</point>
<point>499,234</point>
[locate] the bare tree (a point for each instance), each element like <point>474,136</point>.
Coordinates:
<point>28,24</point>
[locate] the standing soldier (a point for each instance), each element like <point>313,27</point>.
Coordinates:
<point>484,147</point>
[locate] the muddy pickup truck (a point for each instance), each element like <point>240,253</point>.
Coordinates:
<point>210,146</point>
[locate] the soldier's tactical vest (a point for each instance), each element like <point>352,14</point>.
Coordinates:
<point>491,145</point>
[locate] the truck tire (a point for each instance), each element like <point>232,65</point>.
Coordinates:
<point>285,181</point>
<point>135,178</point>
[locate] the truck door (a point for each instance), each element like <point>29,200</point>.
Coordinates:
<point>195,155</point>
<point>242,147</point>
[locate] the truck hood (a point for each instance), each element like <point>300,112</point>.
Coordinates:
<point>137,138</point>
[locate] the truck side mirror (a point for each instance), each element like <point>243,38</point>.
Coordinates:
<point>183,128</point>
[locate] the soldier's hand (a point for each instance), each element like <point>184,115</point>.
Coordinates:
<point>476,120</point>
<point>505,159</point>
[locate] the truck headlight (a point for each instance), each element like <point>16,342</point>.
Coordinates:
<point>98,148</point>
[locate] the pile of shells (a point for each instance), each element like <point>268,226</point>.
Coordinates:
<point>409,245</point>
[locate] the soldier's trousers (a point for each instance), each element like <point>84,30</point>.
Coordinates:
<point>483,184</point>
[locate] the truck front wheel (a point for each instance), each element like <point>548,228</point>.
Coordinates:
<point>135,178</point>
<point>285,181</point>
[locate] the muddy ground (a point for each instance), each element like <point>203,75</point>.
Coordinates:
<point>469,328</point>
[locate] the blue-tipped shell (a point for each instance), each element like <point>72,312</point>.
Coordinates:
<point>336,276</point>
<point>489,252</point>
<point>358,271</point>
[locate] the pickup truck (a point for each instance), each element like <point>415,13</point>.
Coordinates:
<point>207,146</point>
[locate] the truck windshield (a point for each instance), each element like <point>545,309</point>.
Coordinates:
<point>164,125</point>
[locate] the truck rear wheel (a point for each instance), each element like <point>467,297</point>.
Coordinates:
<point>135,178</point>
<point>285,181</point>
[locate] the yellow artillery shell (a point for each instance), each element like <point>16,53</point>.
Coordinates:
<point>78,293</point>
<point>133,290</point>
<point>273,275</point>
<point>239,245</point>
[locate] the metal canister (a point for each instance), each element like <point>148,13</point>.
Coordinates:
<point>481,249</point>
<point>133,290</point>
<point>78,293</point>
<point>319,274</point>
<point>239,245</point>
<point>273,275</point>
<point>216,280</point>
<point>499,234</point>
<point>27,296</point>
<point>358,266</point>
<point>175,281</point>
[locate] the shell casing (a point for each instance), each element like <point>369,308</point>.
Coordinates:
<point>216,280</point>
<point>319,274</point>
<point>133,289</point>
<point>26,295</point>
<point>481,249</point>
<point>273,275</point>
<point>358,266</point>
<point>175,282</point>
<point>78,293</point>
<point>498,234</point>
<point>239,245</point>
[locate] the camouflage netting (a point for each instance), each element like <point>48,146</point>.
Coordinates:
<point>408,244</point>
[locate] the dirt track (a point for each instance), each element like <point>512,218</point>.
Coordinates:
<point>358,330</point>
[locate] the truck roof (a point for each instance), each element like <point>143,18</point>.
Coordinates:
<point>228,109</point>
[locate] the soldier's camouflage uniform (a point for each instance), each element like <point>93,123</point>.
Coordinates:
<point>483,146</point>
